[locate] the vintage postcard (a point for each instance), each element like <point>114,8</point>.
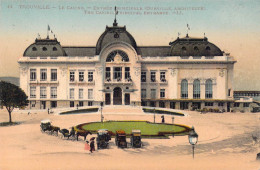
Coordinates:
<point>120,84</point>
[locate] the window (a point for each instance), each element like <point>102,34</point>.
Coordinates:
<point>53,74</point>
<point>53,104</point>
<point>196,89</point>
<point>153,93</point>
<point>81,103</point>
<point>184,89</point>
<point>44,49</point>
<point>245,104</point>
<point>143,93</point>
<point>43,93</point>
<point>43,74</point>
<point>208,89</point>
<point>162,93</point>
<point>34,49</point>
<point>111,56</point>
<point>54,49</point>
<point>32,103</point>
<point>90,93</point>
<point>71,103</point>
<point>143,76</point>
<point>196,51</point>
<point>71,93</point>
<point>127,73</point>
<point>118,73</point>
<point>208,51</point>
<point>161,104</point>
<point>32,74</point>
<point>80,93</point>
<point>172,105</point>
<point>53,92</point>
<point>90,76</point>
<point>72,75</point>
<point>153,76</point>
<point>152,104</point>
<point>90,103</point>
<point>81,76</point>
<point>162,76</point>
<point>236,104</point>
<point>108,74</point>
<point>208,103</point>
<point>229,92</point>
<point>220,104</point>
<point>183,51</point>
<point>143,103</point>
<point>33,92</point>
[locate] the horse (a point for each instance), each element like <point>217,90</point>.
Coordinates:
<point>54,129</point>
<point>66,133</point>
<point>82,133</point>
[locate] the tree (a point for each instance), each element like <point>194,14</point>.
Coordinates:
<point>12,96</point>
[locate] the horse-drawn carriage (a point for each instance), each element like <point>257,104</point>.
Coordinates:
<point>136,139</point>
<point>103,138</point>
<point>46,126</point>
<point>120,139</point>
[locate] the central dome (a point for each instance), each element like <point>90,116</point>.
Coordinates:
<point>114,33</point>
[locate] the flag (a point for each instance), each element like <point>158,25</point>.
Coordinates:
<point>48,28</point>
<point>188,27</point>
<point>116,11</point>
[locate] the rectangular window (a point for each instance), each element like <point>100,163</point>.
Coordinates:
<point>152,103</point>
<point>81,75</point>
<point>71,93</point>
<point>108,74</point>
<point>90,76</point>
<point>90,103</point>
<point>43,93</point>
<point>53,92</point>
<point>32,74</point>
<point>229,92</point>
<point>143,76</point>
<point>236,104</point>
<point>143,93</point>
<point>172,105</point>
<point>162,93</point>
<point>32,103</point>
<point>71,103</point>
<point>153,93</point>
<point>80,93</point>
<point>220,104</point>
<point>43,74</point>
<point>81,103</point>
<point>118,73</point>
<point>72,75</point>
<point>33,92</point>
<point>162,76</point>
<point>208,103</point>
<point>127,73</point>
<point>53,74</point>
<point>90,93</point>
<point>153,76</point>
<point>53,104</point>
<point>143,103</point>
<point>161,104</point>
<point>245,104</point>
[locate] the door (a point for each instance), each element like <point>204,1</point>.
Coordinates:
<point>127,99</point>
<point>107,99</point>
<point>43,104</point>
<point>117,96</point>
<point>228,107</point>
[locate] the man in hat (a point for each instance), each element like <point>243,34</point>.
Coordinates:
<point>92,145</point>
<point>162,118</point>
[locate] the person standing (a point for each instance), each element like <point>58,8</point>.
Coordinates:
<point>92,146</point>
<point>162,118</point>
<point>87,147</point>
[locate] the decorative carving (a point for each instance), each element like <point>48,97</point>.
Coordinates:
<point>137,71</point>
<point>63,71</point>
<point>99,70</point>
<point>24,70</point>
<point>173,71</point>
<point>118,58</point>
<point>221,72</point>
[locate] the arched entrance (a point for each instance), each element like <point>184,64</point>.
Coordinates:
<point>117,96</point>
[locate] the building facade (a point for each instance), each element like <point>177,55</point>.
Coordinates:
<point>189,73</point>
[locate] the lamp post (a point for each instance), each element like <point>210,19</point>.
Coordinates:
<point>153,115</point>
<point>101,107</point>
<point>193,139</point>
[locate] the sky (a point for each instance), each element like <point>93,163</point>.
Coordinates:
<point>232,25</point>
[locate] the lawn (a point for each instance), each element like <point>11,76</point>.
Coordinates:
<point>148,129</point>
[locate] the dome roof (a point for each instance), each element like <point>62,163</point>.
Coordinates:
<point>44,47</point>
<point>189,46</point>
<point>114,33</point>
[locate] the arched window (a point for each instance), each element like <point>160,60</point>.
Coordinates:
<point>44,49</point>
<point>196,89</point>
<point>34,49</point>
<point>54,49</point>
<point>183,51</point>
<point>208,89</point>
<point>208,51</point>
<point>184,88</point>
<point>196,51</point>
<point>111,56</point>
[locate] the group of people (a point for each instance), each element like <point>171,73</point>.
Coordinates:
<point>90,147</point>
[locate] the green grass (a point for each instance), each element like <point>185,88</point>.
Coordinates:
<point>147,110</point>
<point>80,111</point>
<point>148,129</point>
<point>9,123</point>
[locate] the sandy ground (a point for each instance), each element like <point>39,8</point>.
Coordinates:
<point>225,142</point>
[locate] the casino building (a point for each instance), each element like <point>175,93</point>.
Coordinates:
<point>186,74</point>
